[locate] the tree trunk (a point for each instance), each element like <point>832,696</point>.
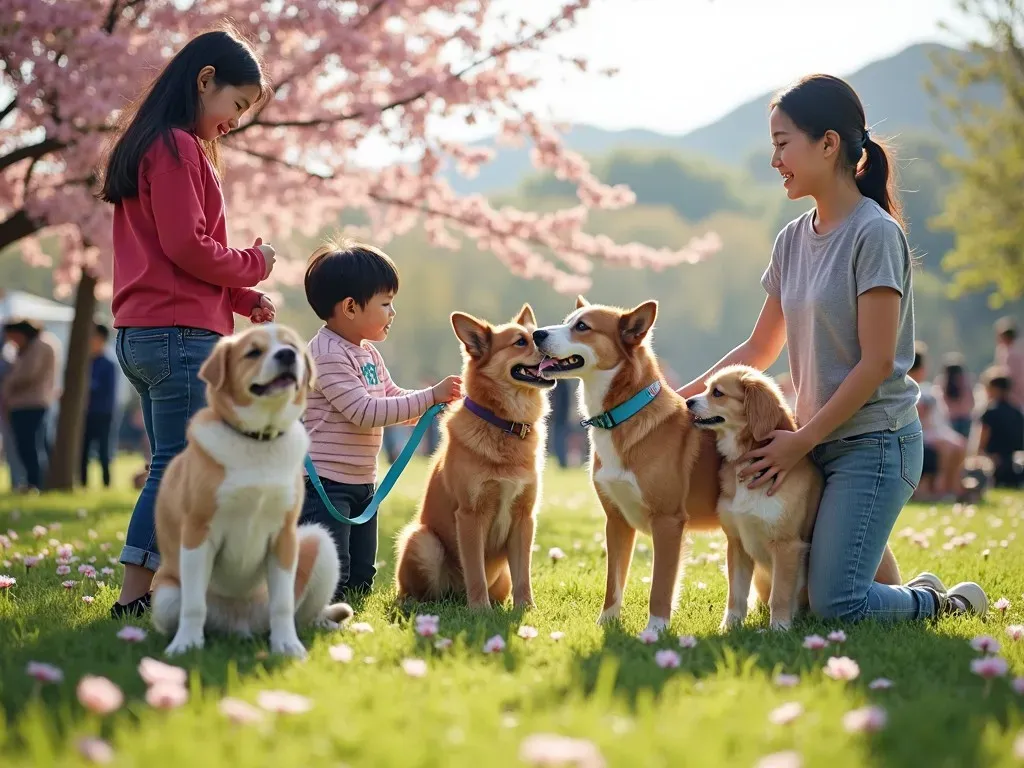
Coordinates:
<point>66,455</point>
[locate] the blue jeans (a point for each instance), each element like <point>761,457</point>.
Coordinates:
<point>163,366</point>
<point>29,428</point>
<point>868,480</point>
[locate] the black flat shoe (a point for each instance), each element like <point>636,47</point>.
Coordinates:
<point>136,607</point>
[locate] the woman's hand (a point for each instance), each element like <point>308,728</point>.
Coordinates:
<point>264,312</point>
<point>774,460</point>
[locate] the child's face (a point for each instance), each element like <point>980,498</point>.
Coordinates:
<point>373,322</point>
<point>221,106</point>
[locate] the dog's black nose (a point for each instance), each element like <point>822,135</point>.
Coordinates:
<point>690,403</point>
<point>285,356</point>
<point>539,336</point>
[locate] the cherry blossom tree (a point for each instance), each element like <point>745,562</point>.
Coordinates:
<point>346,75</point>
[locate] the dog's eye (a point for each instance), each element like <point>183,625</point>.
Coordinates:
<point>521,342</point>
<point>581,326</point>
<point>254,353</point>
<point>716,392</point>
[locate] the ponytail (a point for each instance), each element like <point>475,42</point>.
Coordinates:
<point>875,178</point>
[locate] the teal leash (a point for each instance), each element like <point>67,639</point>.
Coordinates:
<point>388,483</point>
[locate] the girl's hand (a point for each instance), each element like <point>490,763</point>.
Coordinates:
<point>265,312</point>
<point>448,390</point>
<point>269,255</point>
<point>773,461</point>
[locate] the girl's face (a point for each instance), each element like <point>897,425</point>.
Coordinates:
<point>806,165</point>
<point>221,106</point>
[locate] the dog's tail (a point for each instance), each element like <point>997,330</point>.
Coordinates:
<point>421,572</point>
<point>316,578</point>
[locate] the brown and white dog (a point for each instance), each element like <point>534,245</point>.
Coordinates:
<point>474,531</point>
<point>654,472</point>
<point>768,536</point>
<point>233,557</point>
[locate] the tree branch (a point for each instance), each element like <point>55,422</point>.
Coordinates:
<point>15,227</point>
<point>9,108</point>
<point>31,151</point>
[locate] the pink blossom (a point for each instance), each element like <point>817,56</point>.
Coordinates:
<point>1018,685</point>
<point>154,672</point>
<point>44,673</point>
<point>95,750</point>
<point>241,712</point>
<point>815,642</point>
<point>786,713</point>
<point>99,695</point>
<point>428,626</point>
<point>131,634</point>
<point>63,570</point>
<point>165,695</point>
<point>69,584</point>
<point>443,643</point>
<point>865,720</point>
<point>548,749</point>
<point>787,681</point>
<point>880,684</point>
<point>88,599</point>
<point>556,554</point>
<point>341,652</point>
<point>985,644</point>
<point>414,667</point>
<point>107,571</point>
<point>6,582</point>
<point>648,636</point>
<point>30,561</point>
<point>667,658</point>
<point>1018,746</point>
<point>787,759</point>
<point>65,551</point>
<point>87,570</point>
<point>39,531</point>
<point>284,702</point>
<point>494,644</point>
<point>557,635</point>
<point>1015,631</point>
<point>527,632</point>
<point>687,641</point>
<point>990,667</point>
<point>842,668</point>
<point>837,636</point>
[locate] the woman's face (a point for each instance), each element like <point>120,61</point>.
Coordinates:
<point>805,164</point>
<point>221,106</point>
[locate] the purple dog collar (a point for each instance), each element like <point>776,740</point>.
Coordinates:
<point>518,428</point>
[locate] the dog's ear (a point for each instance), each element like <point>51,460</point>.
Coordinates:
<point>637,323</point>
<point>526,318</point>
<point>762,409</point>
<point>581,302</point>
<point>474,334</point>
<point>214,370</point>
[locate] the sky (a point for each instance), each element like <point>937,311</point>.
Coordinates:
<point>685,63</point>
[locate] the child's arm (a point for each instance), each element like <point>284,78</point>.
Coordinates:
<point>181,228</point>
<point>343,386</point>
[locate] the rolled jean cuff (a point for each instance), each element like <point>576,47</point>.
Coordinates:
<point>140,557</point>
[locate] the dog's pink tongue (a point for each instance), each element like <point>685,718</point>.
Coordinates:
<point>546,363</point>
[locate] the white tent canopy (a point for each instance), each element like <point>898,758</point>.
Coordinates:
<point>22,304</point>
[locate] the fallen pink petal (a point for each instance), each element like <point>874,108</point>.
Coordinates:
<point>69,584</point>
<point>240,712</point>
<point>990,667</point>
<point>494,644</point>
<point>131,634</point>
<point>1018,685</point>
<point>985,644</point>
<point>154,672</point>
<point>414,667</point>
<point>341,653</point>
<point>99,695</point>
<point>880,684</point>
<point>95,750</point>
<point>557,635</point>
<point>667,658</point>
<point>443,643</point>
<point>837,636</point>
<point>550,749</point>
<point>865,720</point>
<point>787,681</point>
<point>556,554</point>
<point>687,641</point>
<point>787,713</point>
<point>44,673</point>
<point>527,632</point>
<point>360,628</point>
<point>842,668</point>
<point>166,696</point>
<point>815,642</point>
<point>787,759</point>
<point>428,626</point>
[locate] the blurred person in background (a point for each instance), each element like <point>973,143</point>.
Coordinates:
<point>1010,356</point>
<point>99,414</point>
<point>1001,428</point>
<point>957,394</point>
<point>8,353</point>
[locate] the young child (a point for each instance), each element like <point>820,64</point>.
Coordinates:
<point>1001,428</point>
<point>99,413</point>
<point>177,284</point>
<point>352,287</point>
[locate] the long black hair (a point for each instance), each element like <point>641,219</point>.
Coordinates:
<point>172,101</point>
<point>954,377</point>
<point>820,103</point>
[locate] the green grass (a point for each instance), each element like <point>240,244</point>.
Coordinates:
<point>599,684</point>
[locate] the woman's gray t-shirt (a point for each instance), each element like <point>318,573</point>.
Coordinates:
<point>819,279</point>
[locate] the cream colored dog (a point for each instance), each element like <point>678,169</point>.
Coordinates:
<point>233,557</point>
<point>768,536</point>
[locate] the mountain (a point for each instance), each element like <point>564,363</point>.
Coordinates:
<point>892,89</point>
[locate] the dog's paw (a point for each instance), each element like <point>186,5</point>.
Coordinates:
<point>288,646</point>
<point>323,622</point>
<point>655,626</point>
<point>730,621</point>
<point>185,641</point>
<point>526,603</point>
<point>608,616</point>
<point>480,606</point>
<point>780,625</point>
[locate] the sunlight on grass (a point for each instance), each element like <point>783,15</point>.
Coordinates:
<point>720,702</point>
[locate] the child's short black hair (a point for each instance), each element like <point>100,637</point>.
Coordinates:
<point>102,330</point>
<point>338,270</point>
<point>999,379</point>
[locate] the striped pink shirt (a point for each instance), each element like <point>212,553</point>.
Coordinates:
<point>353,400</point>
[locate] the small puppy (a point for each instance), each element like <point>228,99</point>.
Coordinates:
<point>474,531</point>
<point>232,555</point>
<point>768,536</point>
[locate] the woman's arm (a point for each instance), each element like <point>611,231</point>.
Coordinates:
<point>760,350</point>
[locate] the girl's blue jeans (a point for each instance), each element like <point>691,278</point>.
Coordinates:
<point>868,480</point>
<point>163,366</point>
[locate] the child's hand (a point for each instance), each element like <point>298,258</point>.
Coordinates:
<point>269,255</point>
<point>448,390</point>
<point>265,312</point>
